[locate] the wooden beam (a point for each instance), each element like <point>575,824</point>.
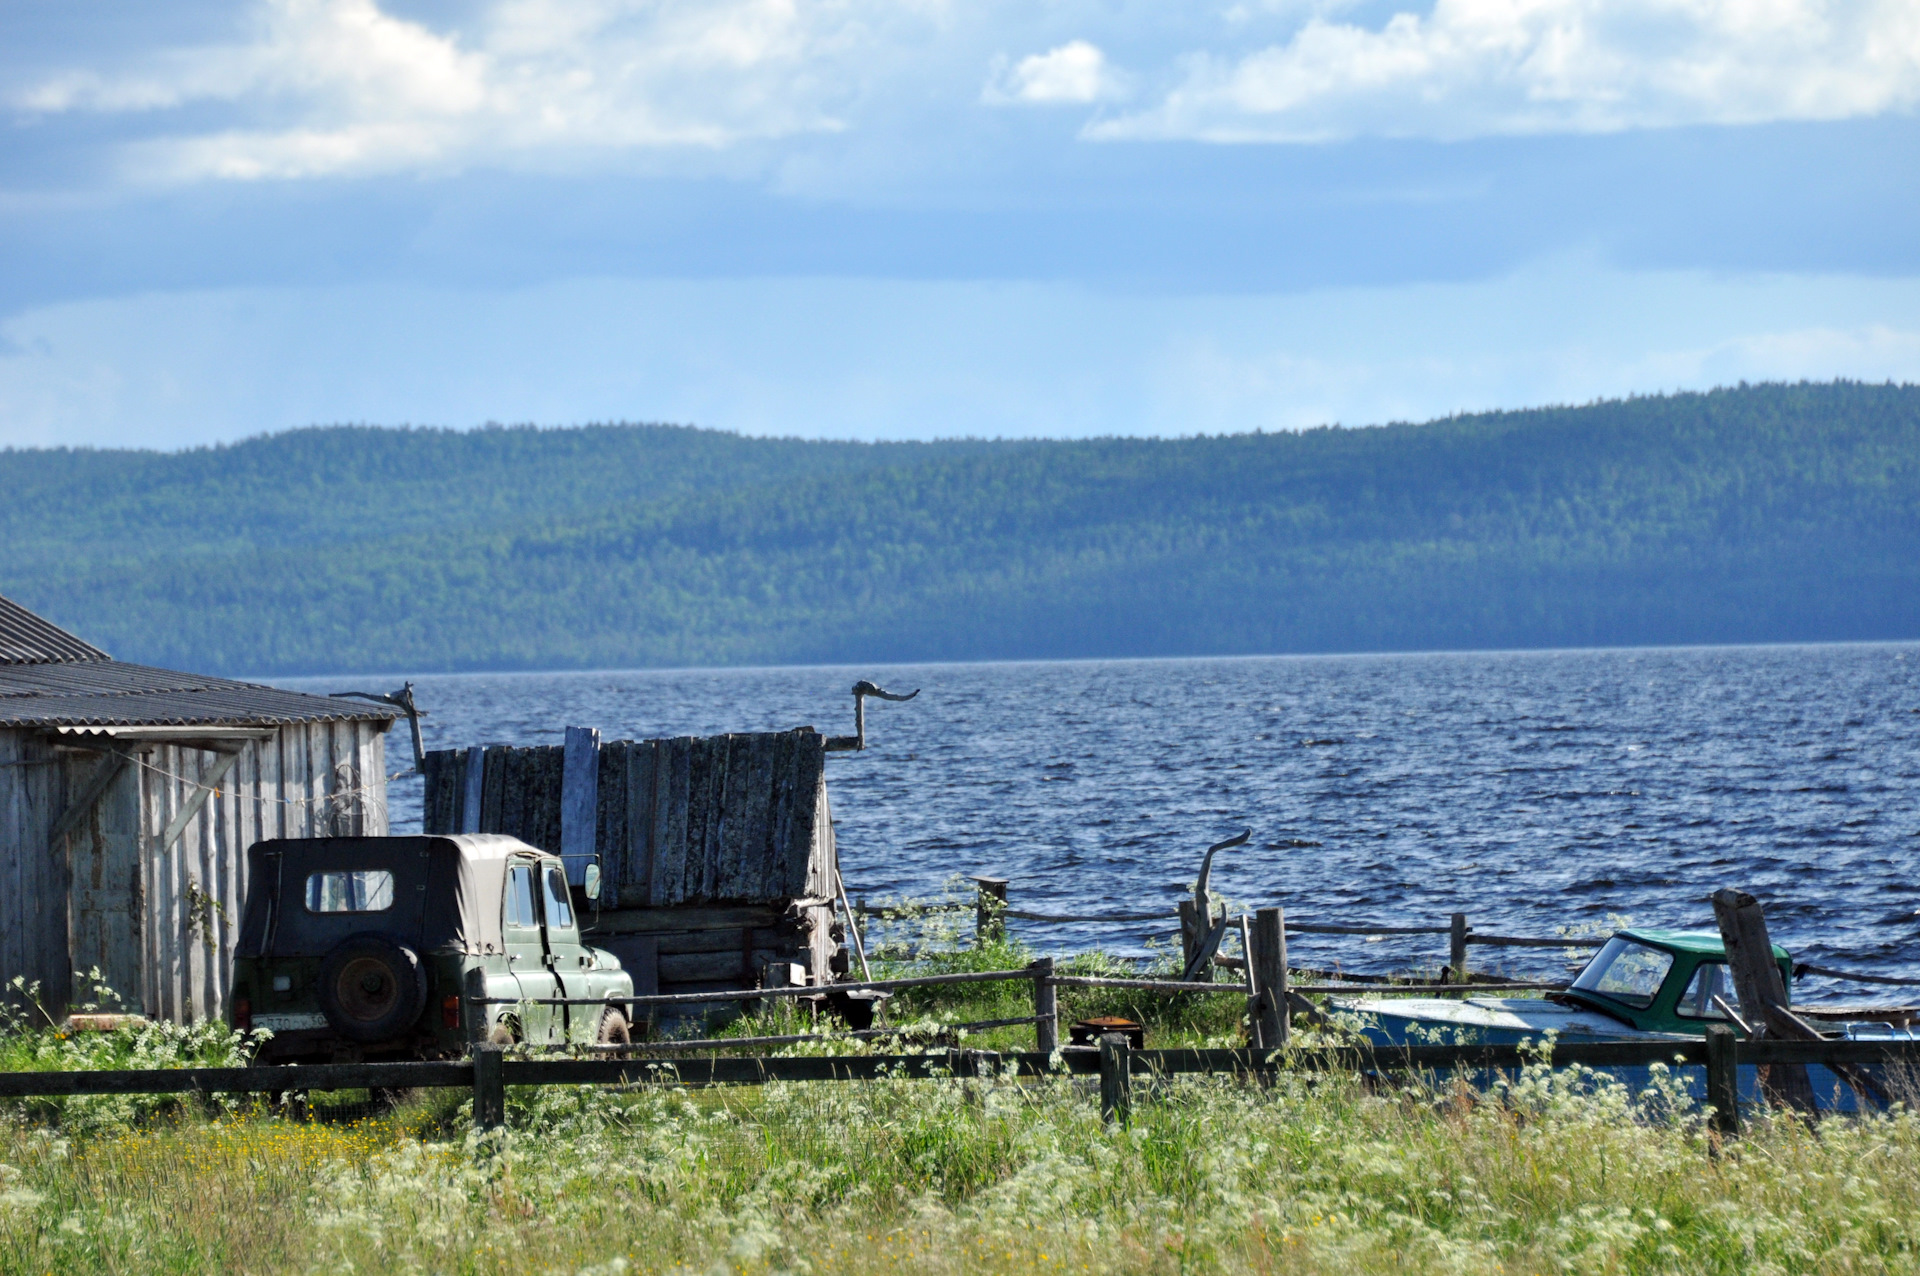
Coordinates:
<point>1762,990</point>
<point>192,807</point>
<point>112,763</point>
<point>1267,974</point>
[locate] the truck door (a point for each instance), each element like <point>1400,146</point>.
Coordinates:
<point>526,946</point>
<point>565,956</point>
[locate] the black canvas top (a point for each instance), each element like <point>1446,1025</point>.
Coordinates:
<point>447,893</point>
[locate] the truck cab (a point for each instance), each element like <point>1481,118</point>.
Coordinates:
<point>357,948</point>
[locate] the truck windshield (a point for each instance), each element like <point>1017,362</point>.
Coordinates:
<point>1628,972</point>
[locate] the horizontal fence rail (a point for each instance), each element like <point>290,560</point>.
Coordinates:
<point>992,912</point>
<point>489,1072</point>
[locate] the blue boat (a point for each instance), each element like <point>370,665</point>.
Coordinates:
<point>1643,985</point>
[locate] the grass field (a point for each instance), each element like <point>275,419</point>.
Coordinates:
<point>1556,1172</point>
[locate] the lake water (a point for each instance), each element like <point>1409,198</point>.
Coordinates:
<point>1530,790</point>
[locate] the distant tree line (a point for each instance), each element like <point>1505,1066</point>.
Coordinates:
<point>1757,514</point>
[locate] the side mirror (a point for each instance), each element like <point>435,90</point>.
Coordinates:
<point>591,881</point>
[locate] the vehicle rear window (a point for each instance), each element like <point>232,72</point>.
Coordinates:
<point>350,891</point>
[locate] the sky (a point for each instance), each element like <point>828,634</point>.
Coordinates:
<point>921,218</point>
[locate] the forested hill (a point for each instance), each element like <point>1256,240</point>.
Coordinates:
<point>1766,513</point>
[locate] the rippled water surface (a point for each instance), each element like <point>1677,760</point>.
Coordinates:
<point>1529,790</point>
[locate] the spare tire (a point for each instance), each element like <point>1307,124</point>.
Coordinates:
<point>371,988</point>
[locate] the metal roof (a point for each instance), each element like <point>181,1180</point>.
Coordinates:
<point>26,639</point>
<point>102,692</point>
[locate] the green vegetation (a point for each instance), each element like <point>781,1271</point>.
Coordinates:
<point>1561,1171</point>
<point>1764,513</point>
<point>1311,1174</point>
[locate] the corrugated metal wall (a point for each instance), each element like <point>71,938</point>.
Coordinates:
<point>697,819</point>
<point>159,922</point>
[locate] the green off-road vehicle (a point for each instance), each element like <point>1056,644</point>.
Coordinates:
<point>358,948</point>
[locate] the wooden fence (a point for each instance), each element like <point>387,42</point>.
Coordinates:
<point>992,910</point>
<point>489,1072</point>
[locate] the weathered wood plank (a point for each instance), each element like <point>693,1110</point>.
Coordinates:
<point>610,818</point>
<point>636,879</point>
<point>680,968</point>
<point>551,790</point>
<point>376,739</point>
<point>662,817</point>
<point>496,765</point>
<point>42,788</point>
<point>627,921</point>
<point>733,856</point>
<point>787,823</point>
<point>762,876</point>
<point>15,951</point>
<point>670,868</point>
<point>702,774</point>
<point>579,801</point>
<point>805,851</point>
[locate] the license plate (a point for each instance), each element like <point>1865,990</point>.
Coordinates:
<point>289,1023</point>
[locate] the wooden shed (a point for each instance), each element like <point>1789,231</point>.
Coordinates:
<point>716,853</point>
<point>128,798</point>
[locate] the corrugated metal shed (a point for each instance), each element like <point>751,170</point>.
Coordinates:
<point>128,798</point>
<point>27,639</point>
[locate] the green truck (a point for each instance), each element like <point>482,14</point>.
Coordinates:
<point>367,948</point>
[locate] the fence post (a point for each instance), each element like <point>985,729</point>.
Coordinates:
<point>1192,932</point>
<point>988,903</point>
<point>1267,972</point>
<point>1116,1080</point>
<point>489,1088</point>
<point>1723,1079</point>
<point>1457,947</point>
<point>1046,1008</point>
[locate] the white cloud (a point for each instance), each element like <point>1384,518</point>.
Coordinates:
<point>1076,72</point>
<point>341,86</point>
<point>1475,67</point>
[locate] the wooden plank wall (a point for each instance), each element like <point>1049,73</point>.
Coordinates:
<point>106,909</point>
<point>322,779</point>
<point>169,951</point>
<point>692,820</point>
<point>33,914</point>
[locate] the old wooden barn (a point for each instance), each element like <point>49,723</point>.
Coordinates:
<point>128,798</point>
<point>717,855</point>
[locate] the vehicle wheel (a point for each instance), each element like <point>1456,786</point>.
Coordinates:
<point>372,989</point>
<point>613,1030</point>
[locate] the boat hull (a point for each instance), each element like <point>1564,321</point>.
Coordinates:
<point>1519,1021</point>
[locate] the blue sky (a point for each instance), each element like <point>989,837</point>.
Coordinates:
<point>912,219</point>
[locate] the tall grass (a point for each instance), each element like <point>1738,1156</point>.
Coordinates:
<point>1561,1171</point>
<point>1557,1173</point>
